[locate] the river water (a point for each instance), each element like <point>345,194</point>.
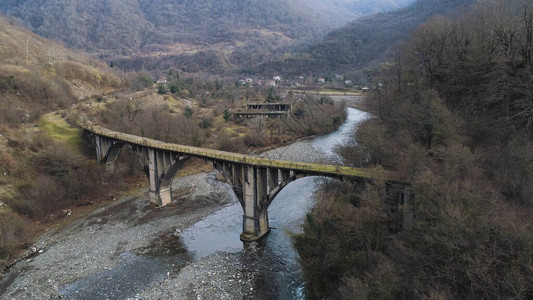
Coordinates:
<point>276,259</point>
<point>105,256</point>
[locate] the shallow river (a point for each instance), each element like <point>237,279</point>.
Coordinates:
<point>105,256</point>
<point>276,257</point>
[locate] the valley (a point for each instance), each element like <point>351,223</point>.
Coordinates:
<point>443,96</point>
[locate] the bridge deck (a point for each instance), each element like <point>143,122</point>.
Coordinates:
<point>309,168</point>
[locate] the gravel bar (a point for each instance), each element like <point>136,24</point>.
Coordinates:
<point>97,248</point>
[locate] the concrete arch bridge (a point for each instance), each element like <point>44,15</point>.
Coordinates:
<point>255,180</point>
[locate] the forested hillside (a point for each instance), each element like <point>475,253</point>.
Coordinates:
<point>454,115</point>
<point>46,165</point>
<point>222,34</point>
<point>363,42</point>
<point>40,174</point>
<point>340,12</point>
<point>38,75</point>
<point>127,26</point>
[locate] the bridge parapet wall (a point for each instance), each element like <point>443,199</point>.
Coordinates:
<point>255,180</point>
<point>308,168</point>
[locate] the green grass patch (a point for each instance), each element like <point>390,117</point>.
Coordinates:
<point>172,101</point>
<point>57,128</point>
<point>234,131</point>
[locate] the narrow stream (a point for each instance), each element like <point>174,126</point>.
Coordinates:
<point>276,257</point>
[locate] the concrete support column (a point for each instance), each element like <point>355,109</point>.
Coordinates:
<point>261,204</point>
<point>165,196</point>
<point>153,176</point>
<point>237,174</point>
<point>165,191</point>
<point>227,169</point>
<point>285,175</point>
<point>98,146</point>
<point>255,219</point>
<point>102,147</point>
<point>273,178</point>
<point>162,167</point>
<point>248,227</point>
<point>237,181</point>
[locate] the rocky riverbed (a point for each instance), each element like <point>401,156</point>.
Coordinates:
<point>88,259</point>
<point>121,234</point>
<point>133,250</point>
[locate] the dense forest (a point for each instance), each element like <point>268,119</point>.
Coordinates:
<point>453,114</point>
<point>214,36</point>
<point>127,26</point>
<point>362,43</point>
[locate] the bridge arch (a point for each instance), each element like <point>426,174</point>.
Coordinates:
<point>113,153</point>
<point>256,188</point>
<point>164,186</point>
<point>255,180</point>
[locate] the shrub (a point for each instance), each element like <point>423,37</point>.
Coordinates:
<point>226,114</point>
<point>175,88</point>
<point>254,140</point>
<point>226,143</point>
<point>206,123</point>
<point>162,89</point>
<point>187,112</point>
<point>13,235</point>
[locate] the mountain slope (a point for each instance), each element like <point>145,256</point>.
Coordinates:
<point>123,27</point>
<point>38,75</point>
<point>362,42</point>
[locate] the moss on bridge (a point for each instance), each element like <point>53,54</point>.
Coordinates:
<point>304,167</point>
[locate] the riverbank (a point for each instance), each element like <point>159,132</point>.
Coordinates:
<point>130,232</point>
<point>96,243</point>
<point>131,249</point>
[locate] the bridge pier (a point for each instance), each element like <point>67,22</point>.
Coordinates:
<point>162,167</point>
<point>255,194</point>
<point>255,187</point>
